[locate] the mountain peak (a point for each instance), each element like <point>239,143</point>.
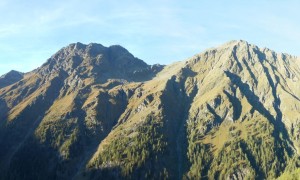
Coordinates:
<point>244,48</point>
<point>238,55</point>
<point>96,60</point>
<point>79,45</point>
<point>10,78</point>
<point>236,44</point>
<point>91,49</point>
<point>12,73</point>
<point>231,46</point>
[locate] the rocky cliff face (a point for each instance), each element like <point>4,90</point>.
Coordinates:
<point>95,112</point>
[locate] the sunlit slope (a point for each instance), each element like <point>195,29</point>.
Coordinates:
<point>230,112</point>
<point>92,112</point>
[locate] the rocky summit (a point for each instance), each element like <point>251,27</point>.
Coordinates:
<point>10,78</point>
<point>95,112</point>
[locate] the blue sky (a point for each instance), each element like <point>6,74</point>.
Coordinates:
<point>157,31</point>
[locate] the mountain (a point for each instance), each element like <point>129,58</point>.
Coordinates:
<point>10,78</point>
<point>95,112</point>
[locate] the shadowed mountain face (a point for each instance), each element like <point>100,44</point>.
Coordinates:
<point>10,78</point>
<point>95,112</point>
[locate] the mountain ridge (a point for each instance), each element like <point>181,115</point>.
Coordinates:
<point>230,112</point>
